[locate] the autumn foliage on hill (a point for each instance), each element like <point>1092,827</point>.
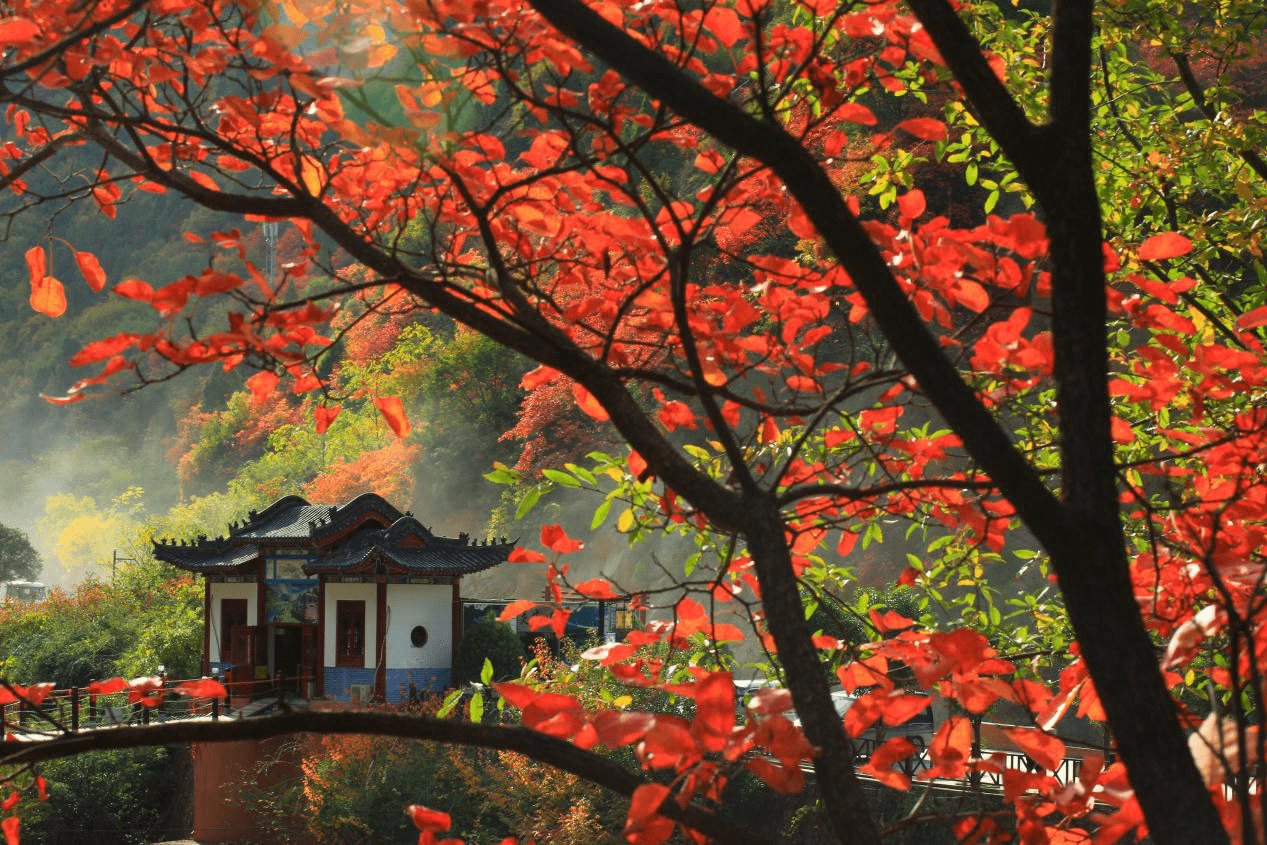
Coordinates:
<point>702,220</point>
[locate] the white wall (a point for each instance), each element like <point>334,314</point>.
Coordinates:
<point>429,605</point>
<point>336,592</point>
<point>220,591</point>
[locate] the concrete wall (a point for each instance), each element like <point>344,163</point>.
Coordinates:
<point>221,769</point>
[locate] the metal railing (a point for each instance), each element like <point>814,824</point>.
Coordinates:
<point>62,711</point>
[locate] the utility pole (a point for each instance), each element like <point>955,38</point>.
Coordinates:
<point>114,564</point>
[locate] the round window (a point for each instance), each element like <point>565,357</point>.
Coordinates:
<point>418,636</point>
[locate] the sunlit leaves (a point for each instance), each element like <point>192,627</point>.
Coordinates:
<point>394,413</point>
<point>15,30</point>
<point>1164,245</point>
<point>90,267</point>
<point>48,297</point>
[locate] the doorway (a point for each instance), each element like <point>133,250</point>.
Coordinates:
<point>292,657</point>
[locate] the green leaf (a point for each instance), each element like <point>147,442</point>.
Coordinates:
<point>477,701</point>
<point>970,173</point>
<point>990,202</point>
<point>560,478</point>
<point>502,475</point>
<point>450,701</point>
<point>600,513</point>
<point>581,473</point>
<point>486,672</point>
<point>528,502</point>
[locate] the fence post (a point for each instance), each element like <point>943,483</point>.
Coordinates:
<point>74,709</point>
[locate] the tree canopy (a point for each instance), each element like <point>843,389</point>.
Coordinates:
<point>19,561</point>
<point>990,272</point>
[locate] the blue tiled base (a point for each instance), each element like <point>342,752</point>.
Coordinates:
<point>424,680</point>
<point>337,679</point>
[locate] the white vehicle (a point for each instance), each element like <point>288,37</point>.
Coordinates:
<point>25,591</point>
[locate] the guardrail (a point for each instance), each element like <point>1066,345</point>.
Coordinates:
<point>38,710</point>
<point>912,765</point>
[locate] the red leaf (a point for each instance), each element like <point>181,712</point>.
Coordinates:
<point>107,687</point>
<point>770,700</point>
<point>515,608</point>
<point>35,265</point>
<point>926,128</point>
<point>32,695</point>
<point>324,415</point>
<point>950,749</point>
<point>428,820</point>
<point>616,729</point>
<point>535,378</point>
<point>11,801</point>
<point>554,714</point>
<point>785,779</point>
<point>516,695</point>
<point>1045,749</point>
<point>91,268</point>
<point>41,786</point>
<point>553,537</point>
<point>587,403</point>
<point>609,653</point>
<point>135,289</point>
<point>394,413</point>
<point>1252,319</point>
<point>723,24</point>
<point>1165,245</point>
<point>1121,429</point>
<point>518,555</point>
<point>48,297</point>
<point>99,350</point>
<point>714,710</point>
<point>261,385</point>
<point>856,113</point>
<point>911,204</point>
<point>10,827</point>
<point>643,826</point>
<point>146,691</point>
<point>204,688</point>
<point>14,30</point>
<point>596,588</point>
<point>880,766</point>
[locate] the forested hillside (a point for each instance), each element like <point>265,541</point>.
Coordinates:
<point>189,453</point>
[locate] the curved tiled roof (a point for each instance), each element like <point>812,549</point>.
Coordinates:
<point>207,556</point>
<point>405,545</point>
<point>407,548</point>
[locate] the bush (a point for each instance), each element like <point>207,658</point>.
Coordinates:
<point>107,797</point>
<point>489,639</point>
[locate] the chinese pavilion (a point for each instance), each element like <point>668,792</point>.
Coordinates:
<point>353,601</point>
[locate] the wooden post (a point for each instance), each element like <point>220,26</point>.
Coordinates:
<point>74,709</point>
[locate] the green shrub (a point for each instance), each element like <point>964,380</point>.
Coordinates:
<point>107,797</point>
<point>489,639</point>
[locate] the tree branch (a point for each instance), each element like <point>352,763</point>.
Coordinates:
<point>545,749</point>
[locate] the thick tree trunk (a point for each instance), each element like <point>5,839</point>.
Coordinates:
<point>806,678</point>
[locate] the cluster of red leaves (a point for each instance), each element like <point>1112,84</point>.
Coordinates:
<point>595,260</point>
<point>387,471</point>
